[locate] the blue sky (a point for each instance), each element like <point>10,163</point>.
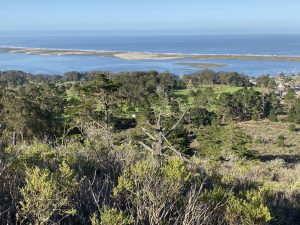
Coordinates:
<point>193,16</point>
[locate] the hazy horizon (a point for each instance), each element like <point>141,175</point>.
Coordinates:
<point>133,17</point>
<point>121,33</point>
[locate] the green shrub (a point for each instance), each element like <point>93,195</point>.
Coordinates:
<point>280,141</point>
<point>272,117</point>
<point>292,127</point>
<point>47,194</point>
<point>247,209</point>
<point>111,216</point>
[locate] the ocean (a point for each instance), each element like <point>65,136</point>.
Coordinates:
<point>274,45</point>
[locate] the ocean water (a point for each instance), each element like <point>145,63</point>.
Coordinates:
<point>201,44</point>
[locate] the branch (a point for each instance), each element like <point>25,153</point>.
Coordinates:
<point>177,123</point>
<point>5,167</point>
<point>174,150</point>
<point>146,146</point>
<point>150,124</point>
<point>148,134</point>
<point>158,121</point>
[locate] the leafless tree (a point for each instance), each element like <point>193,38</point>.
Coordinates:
<point>159,138</point>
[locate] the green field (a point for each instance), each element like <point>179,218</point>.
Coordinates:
<point>218,89</point>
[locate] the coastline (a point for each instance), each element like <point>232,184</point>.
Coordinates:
<point>147,55</point>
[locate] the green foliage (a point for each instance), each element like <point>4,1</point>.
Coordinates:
<point>265,81</point>
<point>218,142</point>
<point>201,117</point>
<point>290,96</point>
<point>292,127</point>
<point>246,104</point>
<point>235,140</point>
<point>33,111</point>
<point>272,117</point>
<point>294,113</point>
<point>153,190</point>
<point>210,77</point>
<point>280,141</point>
<point>175,172</point>
<point>73,76</point>
<point>111,216</point>
<point>180,140</point>
<point>46,194</point>
<point>210,141</point>
<point>203,97</point>
<point>247,209</point>
<point>79,157</point>
<point>133,176</point>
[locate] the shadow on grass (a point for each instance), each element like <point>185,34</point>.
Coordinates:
<point>286,158</point>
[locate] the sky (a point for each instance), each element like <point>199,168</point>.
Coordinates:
<point>151,16</point>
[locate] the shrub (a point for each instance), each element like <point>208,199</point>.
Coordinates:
<point>272,117</point>
<point>111,216</point>
<point>292,127</point>
<point>46,194</point>
<point>280,141</point>
<point>249,208</point>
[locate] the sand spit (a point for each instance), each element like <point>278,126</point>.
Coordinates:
<point>58,52</point>
<point>147,56</point>
<point>167,56</point>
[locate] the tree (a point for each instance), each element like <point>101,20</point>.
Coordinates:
<point>235,141</point>
<point>201,117</point>
<point>226,107</point>
<point>290,97</point>
<point>102,90</point>
<point>73,76</point>
<point>159,142</point>
<point>265,81</point>
<point>43,102</point>
<point>294,113</point>
<point>203,97</point>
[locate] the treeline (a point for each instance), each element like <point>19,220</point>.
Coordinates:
<point>210,77</point>
<point>200,77</point>
<point>126,149</point>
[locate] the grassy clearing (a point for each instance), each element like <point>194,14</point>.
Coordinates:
<point>225,89</point>
<point>218,89</point>
<point>265,134</point>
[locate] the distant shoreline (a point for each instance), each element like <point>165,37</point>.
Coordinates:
<point>146,55</point>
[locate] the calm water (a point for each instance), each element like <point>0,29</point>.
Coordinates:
<point>250,44</point>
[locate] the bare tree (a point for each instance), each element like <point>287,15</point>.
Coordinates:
<point>159,138</point>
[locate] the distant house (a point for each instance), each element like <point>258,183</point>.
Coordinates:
<point>252,81</point>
